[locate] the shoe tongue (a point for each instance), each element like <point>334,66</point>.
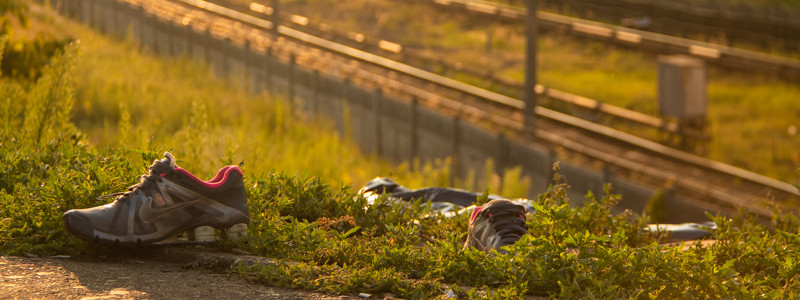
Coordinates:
<point>169,159</point>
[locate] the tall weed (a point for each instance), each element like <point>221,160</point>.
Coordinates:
<point>49,104</point>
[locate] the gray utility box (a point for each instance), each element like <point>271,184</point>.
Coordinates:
<point>682,91</point>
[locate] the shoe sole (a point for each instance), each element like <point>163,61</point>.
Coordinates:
<point>206,235</point>
<point>202,234</point>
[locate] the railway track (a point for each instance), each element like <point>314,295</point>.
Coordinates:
<point>760,24</point>
<point>729,57</point>
<point>715,186</point>
<point>586,108</point>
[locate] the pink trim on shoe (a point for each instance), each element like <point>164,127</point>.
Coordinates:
<point>217,181</point>
<point>475,213</point>
<point>223,174</point>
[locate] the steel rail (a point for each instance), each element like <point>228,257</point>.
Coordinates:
<point>360,55</point>
<point>508,101</point>
<point>715,199</point>
<point>735,24</point>
<point>660,43</point>
<point>574,100</point>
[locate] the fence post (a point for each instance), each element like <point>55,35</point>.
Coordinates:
<point>107,19</point>
<point>344,93</point>
<point>345,104</point>
<point>62,8</point>
<point>176,35</point>
<point>489,39</point>
<point>189,35</point>
<point>90,14</point>
<point>669,199</point>
<point>414,130</point>
<point>268,68</point>
<point>529,114</point>
<point>112,8</point>
<point>456,142</point>
<point>142,23</point>
<point>276,18</point>
<point>86,12</point>
<point>151,24</point>
<point>290,79</point>
<point>248,66</point>
<point>116,11</point>
<point>315,91</point>
<point>607,177</point>
<point>552,158</point>
<point>113,17</point>
<point>225,46</point>
<point>156,28</point>
<point>169,29</point>
<point>502,153</point>
<point>95,21</point>
<point>79,11</point>
<point>377,114</point>
<point>92,21</point>
<point>205,42</point>
<point>69,8</point>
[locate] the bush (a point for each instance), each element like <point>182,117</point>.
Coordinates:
<point>27,59</point>
<point>23,58</point>
<point>48,167</point>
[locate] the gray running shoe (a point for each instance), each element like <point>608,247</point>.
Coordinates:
<point>498,223</point>
<point>166,202</point>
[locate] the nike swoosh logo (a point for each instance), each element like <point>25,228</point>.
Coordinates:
<point>148,214</point>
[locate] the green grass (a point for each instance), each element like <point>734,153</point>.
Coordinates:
<point>103,111</point>
<point>181,106</point>
<point>178,105</point>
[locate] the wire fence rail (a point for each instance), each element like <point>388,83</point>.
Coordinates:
<point>404,113</point>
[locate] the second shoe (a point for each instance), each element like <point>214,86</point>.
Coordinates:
<point>498,223</point>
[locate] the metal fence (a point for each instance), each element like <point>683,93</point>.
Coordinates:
<point>397,130</point>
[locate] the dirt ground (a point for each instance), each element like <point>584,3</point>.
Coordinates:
<point>174,274</point>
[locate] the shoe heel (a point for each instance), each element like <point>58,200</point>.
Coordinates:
<point>175,239</point>
<point>236,232</point>
<point>204,234</point>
